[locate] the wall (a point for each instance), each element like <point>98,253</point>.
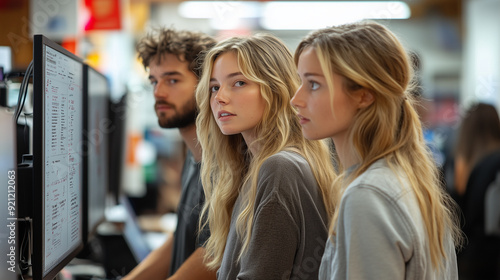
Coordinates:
<point>481,68</point>
<point>14,32</point>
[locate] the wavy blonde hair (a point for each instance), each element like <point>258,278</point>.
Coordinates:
<point>367,55</point>
<point>227,165</point>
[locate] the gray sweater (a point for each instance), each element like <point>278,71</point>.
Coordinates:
<point>290,225</point>
<point>381,234</point>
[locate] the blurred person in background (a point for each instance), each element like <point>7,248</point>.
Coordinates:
<point>477,163</point>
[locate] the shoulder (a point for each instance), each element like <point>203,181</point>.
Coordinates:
<point>285,176</point>
<point>382,194</point>
<point>286,171</point>
<point>391,183</point>
<point>284,163</point>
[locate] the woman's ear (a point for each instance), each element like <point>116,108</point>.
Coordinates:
<point>365,98</point>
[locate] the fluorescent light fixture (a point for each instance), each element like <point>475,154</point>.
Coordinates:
<point>291,15</point>
<point>219,9</point>
<point>294,15</point>
<point>223,15</point>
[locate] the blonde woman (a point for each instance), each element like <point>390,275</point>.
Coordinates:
<point>267,189</point>
<point>393,219</point>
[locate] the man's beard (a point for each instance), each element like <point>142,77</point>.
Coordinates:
<point>182,118</point>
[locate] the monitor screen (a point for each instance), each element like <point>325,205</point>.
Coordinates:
<point>118,116</point>
<point>58,112</point>
<point>96,131</point>
<point>8,177</point>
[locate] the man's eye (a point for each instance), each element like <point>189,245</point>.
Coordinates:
<point>153,83</point>
<point>173,81</point>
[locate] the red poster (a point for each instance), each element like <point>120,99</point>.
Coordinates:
<point>103,15</point>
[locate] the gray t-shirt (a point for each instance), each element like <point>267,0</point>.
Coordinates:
<point>289,229</point>
<point>381,234</point>
<point>186,239</point>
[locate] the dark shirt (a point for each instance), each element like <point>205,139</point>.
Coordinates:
<point>186,239</point>
<point>480,257</point>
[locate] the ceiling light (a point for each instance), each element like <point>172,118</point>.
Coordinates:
<point>294,15</point>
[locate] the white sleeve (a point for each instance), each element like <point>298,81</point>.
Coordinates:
<point>374,239</point>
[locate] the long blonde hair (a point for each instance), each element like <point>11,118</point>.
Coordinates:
<point>227,164</point>
<point>367,55</point>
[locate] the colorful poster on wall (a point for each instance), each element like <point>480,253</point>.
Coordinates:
<point>103,15</point>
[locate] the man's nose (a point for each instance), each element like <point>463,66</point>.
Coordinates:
<point>160,90</point>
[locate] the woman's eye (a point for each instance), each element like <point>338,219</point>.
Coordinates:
<point>314,85</point>
<point>239,84</point>
<point>214,89</point>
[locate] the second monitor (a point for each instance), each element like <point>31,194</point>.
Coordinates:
<point>97,128</point>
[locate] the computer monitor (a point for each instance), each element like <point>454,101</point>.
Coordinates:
<point>58,113</point>
<point>8,175</point>
<point>97,129</point>
<point>118,116</point>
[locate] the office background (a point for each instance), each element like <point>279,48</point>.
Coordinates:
<point>457,44</point>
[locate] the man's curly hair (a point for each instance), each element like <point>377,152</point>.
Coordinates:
<point>186,45</point>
